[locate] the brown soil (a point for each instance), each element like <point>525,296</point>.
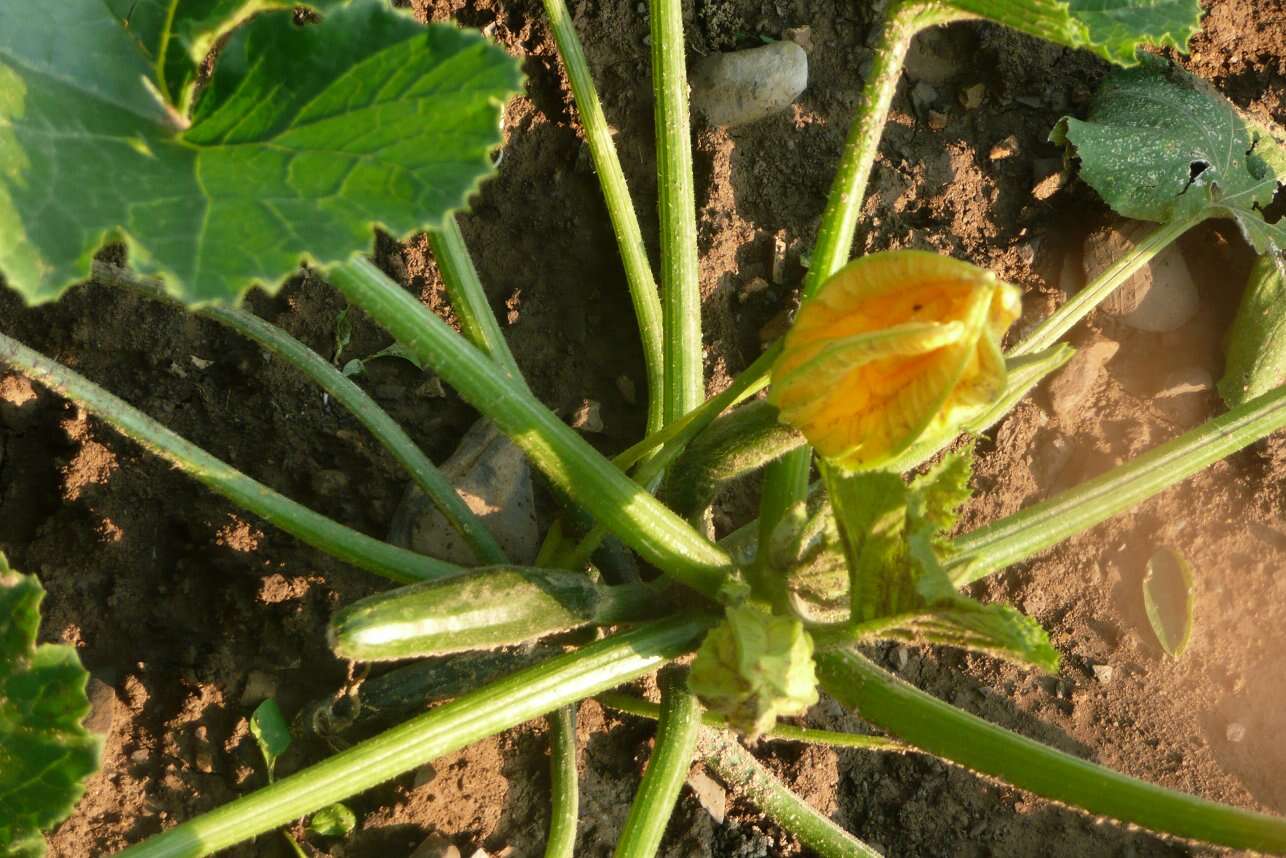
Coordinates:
<point>174,599</point>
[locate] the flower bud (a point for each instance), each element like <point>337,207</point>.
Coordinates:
<point>895,345</point>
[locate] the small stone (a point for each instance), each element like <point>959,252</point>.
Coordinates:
<point>1074,383</point>
<point>779,257</point>
<point>802,36</point>
<point>754,287</point>
<point>102,706</point>
<point>1185,395</point>
<point>971,96</point>
<point>923,95</point>
<point>260,685</point>
<point>436,847</point>
<point>1161,296</point>
<point>742,86</point>
<point>1235,732</point>
<point>201,363</point>
<point>625,386</point>
<point>937,120</point>
<point>330,483</point>
<point>902,656</point>
<point>1048,186</point>
<point>932,57</point>
<point>493,478</point>
<point>710,794</point>
<point>1103,673</point>
<point>1049,459</point>
<point>1006,148</point>
<point>588,416</point>
<point>423,775</point>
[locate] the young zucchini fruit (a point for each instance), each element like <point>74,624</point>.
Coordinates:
<point>487,608</point>
<point>1257,344</point>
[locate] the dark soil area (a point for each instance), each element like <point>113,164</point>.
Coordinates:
<point>188,613</point>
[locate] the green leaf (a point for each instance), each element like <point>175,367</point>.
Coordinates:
<point>45,752</point>
<point>942,490</point>
<point>870,509</point>
<point>304,138</point>
<point>271,732</point>
<point>1256,357</point>
<point>1161,145</point>
<point>1113,29</point>
<point>1169,598</point>
<point>335,820</point>
<point>176,36</point>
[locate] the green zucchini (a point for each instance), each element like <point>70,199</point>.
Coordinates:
<point>487,608</point>
<point>1256,360</point>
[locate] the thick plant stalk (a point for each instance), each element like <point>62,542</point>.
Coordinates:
<point>786,481</point>
<point>748,778</point>
<point>1083,302</point>
<point>620,208</point>
<point>317,530</point>
<point>469,299</point>
<point>667,769</point>
<point>642,522</point>
<point>564,784</point>
<point>1019,536</point>
<point>948,732</point>
<point>680,290</point>
<point>778,733</point>
<point>376,420</point>
<point>487,711</point>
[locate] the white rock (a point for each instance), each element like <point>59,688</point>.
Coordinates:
<point>1159,297</point>
<point>742,86</point>
<point>710,794</point>
<point>1103,673</point>
<point>1235,732</point>
<point>493,478</point>
<point>436,847</point>
<point>1074,383</point>
<point>1185,395</point>
<point>259,687</point>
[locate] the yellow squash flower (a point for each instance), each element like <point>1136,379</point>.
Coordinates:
<point>894,346</point>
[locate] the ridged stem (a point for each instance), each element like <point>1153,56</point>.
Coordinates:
<point>620,208</point>
<point>667,769</point>
<point>1019,536</point>
<point>948,732</point>
<point>676,201</point>
<point>564,781</point>
<point>497,707</point>
<point>376,420</point>
<point>642,522</point>
<point>748,778</point>
<point>317,530</point>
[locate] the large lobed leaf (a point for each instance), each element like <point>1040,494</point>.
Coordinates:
<point>1113,29</point>
<point>304,138</point>
<point>45,752</point>
<point>1159,144</point>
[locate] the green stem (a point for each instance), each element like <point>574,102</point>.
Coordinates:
<point>620,208</point>
<point>469,299</point>
<point>941,729</point>
<point>642,522</point>
<point>1083,302</point>
<point>318,531</point>
<point>1019,536</point>
<point>485,712</point>
<point>680,289</point>
<point>676,741</point>
<point>747,777</point>
<point>779,733</point>
<point>376,420</point>
<point>564,783</point>
<point>787,480</point>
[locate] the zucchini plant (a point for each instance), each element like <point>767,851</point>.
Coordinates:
<point>223,143</point>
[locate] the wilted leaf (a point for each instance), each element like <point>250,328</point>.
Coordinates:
<point>45,751</point>
<point>304,138</point>
<point>271,731</point>
<point>1162,145</point>
<point>1169,598</point>
<point>335,820</point>
<point>1113,29</point>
